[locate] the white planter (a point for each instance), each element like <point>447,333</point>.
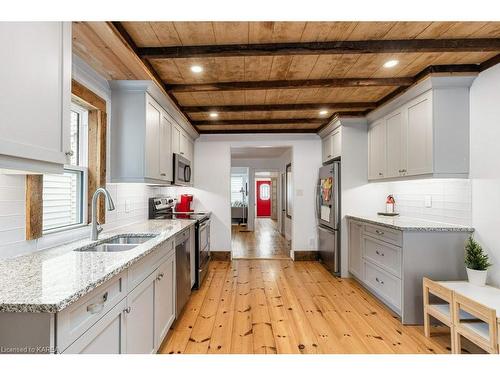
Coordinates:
<point>477,277</point>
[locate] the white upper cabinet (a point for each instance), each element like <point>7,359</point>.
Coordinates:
<point>377,150</point>
<point>35,94</point>
<point>332,145</point>
<point>424,134</point>
<point>144,135</point>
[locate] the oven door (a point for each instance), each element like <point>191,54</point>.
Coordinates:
<point>182,170</point>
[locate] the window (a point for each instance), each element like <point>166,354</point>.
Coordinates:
<point>238,191</point>
<point>64,195</point>
<point>265,192</point>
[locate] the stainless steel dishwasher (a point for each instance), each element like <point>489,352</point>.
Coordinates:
<point>182,270</point>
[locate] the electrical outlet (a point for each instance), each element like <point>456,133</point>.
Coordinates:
<point>428,201</point>
<point>128,205</point>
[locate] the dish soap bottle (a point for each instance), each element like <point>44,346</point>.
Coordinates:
<point>389,204</point>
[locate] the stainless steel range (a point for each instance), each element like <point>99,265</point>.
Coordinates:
<point>163,208</point>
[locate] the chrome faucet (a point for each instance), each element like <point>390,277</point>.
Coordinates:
<point>96,228</point>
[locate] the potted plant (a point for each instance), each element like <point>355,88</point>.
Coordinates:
<point>476,262</point>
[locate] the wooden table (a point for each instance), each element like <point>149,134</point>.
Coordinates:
<point>485,295</point>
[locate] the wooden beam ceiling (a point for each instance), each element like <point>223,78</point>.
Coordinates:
<point>278,107</point>
<point>262,122</point>
<point>287,84</point>
<point>323,48</point>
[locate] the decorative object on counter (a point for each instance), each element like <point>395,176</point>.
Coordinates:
<point>389,204</point>
<point>476,262</point>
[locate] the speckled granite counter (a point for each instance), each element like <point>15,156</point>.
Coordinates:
<point>50,280</point>
<point>405,223</point>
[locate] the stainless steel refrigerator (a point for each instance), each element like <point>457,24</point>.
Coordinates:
<point>328,216</point>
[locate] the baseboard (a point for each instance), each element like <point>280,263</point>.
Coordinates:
<point>220,255</point>
<point>305,255</point>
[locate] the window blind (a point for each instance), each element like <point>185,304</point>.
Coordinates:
<point>237,183</point>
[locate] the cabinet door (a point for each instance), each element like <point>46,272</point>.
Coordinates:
<point>35,90</point>
<point>184,146</point>
<point>419,133</point>
<point>376,151</point>
<point>336,143</point>
<point>165,149</point>
<point>396,147</point>
<point>152,145</point>
<point>107,336</point>
<point>164,299</point>
<point>355,249</point>
<point>139,319</point>
<point>190,151</point>
<point>176,140</point>
<point>327,148</point>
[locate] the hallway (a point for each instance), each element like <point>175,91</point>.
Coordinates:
<point>266,242</point>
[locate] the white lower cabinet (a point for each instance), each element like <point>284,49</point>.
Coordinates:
<point>139,318</point>
<point>164,299</point>
<point>138,323</point>
<point>107,336</point>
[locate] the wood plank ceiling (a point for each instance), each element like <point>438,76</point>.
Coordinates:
<point>287,76</point>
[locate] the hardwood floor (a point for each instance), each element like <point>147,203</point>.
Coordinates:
<point>265,242</point>
<point>281,306</point>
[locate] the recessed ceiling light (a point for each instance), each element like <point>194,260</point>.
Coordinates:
<point>214,114</point>
<point>323,112</point>
<point>391,63</point>
<point>196,69</point>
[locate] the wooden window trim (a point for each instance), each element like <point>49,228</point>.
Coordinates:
<point>97,126</point>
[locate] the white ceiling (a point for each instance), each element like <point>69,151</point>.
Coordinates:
<point>257,152</point>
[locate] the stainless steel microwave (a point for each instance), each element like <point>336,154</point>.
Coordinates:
<point>182,171</point>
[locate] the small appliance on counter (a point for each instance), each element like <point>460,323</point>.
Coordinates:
<point>163,208</point>
<point>185,203</point>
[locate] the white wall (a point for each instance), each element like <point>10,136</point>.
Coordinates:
<point>212,182</point>
<point>130,199</point>
<point>485,164</point>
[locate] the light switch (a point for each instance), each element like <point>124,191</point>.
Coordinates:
<point>428,201</point>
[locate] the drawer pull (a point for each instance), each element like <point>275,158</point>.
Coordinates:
<point>160,276</point>
<point>379,253</point>
<point>97,307</point>
<point>379,232</point>
<point>379,281</point>
<point>127,310</point>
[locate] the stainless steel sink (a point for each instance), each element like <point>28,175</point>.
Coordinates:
<point>124,240</point>
<point>116,244</point>
<point>108,248</point>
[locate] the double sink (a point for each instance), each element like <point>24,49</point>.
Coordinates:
<point>118,243</point>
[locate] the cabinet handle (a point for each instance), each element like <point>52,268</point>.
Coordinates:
<point>97,307</point>
<point>127,310</point>
<point>163,174</point>
<point>160,276</point>
<point>182,153</point>
<point>379,281</point>
<point>69,153</point>
<point>379,253</point>
<point>379,232</point>
<point>380,174</point>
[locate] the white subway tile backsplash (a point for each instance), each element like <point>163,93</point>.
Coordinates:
<point>450,199</point>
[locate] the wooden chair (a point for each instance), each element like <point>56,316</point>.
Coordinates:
<point>483,333</point>
<point>441,311</point>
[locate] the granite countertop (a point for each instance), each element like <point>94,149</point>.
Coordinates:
<point>406,223</point>
<point>50,280</point>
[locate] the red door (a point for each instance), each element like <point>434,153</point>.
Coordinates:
<point>264,198</point>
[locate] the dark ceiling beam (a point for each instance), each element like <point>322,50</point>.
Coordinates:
<point>246,131</point>
<point>320,48</point>
<point>287,121</point>
<point>277,107</point>
<point>290,84</point>
<point>489,63</point>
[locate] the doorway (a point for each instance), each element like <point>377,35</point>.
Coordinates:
<point>262,236</point>
<point>263,192</point>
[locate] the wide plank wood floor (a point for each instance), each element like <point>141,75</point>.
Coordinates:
<point>281,306</point>
<point>265,242</point>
